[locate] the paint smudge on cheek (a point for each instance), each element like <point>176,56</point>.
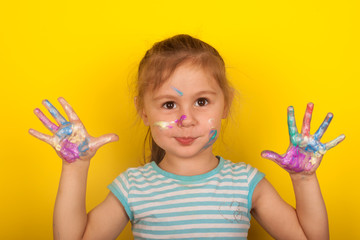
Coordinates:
<point>212,134</point>
<point>163,124</point>
<point>212,138</point>
<point>167,125</point>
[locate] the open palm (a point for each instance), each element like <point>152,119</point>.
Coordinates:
<point>305,151</point>
<point>70,138</point>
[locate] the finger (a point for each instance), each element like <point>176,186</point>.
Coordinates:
<point>107,138</point>
<point>291,122</point>
<point>272,156</point>
<point>324,125</point>
<point>55,113</point>
<point>41,136</point>
<point>68,110</point>
<point>50,125</point>
<point>334,142</point>
<point>305,131</point>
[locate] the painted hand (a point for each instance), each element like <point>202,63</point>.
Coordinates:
<point>305,151</point>
<point>70,138</point>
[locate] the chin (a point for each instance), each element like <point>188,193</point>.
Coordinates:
<point>188,153</point>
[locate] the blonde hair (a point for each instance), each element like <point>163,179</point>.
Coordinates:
<point>160,62</point>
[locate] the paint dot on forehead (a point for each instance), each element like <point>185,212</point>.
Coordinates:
<point>178,91</point>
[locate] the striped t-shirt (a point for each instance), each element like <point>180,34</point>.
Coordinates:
<point>162,205</point>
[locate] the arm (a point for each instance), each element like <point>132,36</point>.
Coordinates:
<point>105,221</point>
<point>303,157</point>
<point>277,217</point>
<point>310,206</point>
<point>70,216</point>
<point>281,221</point>
<point>75,147</point>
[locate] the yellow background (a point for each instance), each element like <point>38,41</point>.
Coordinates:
<point>278,53</point>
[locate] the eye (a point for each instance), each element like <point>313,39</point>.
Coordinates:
<point>169,105</point>
<point>201,102</point>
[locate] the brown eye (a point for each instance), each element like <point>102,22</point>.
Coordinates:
<point>169,105</point>
<point>201,102</point>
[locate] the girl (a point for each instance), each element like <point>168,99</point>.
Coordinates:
<point>185,192</point>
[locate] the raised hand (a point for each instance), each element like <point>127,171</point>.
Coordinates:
<point>305,151</point>
<point>70,139</point>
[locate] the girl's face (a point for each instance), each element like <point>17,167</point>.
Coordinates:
<point>185,113</point>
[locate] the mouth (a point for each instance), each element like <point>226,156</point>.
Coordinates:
<point>186,141</point>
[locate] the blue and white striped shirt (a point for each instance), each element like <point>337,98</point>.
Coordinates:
<point>162,205</point>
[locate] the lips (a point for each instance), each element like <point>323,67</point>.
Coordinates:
<point>185,140</point>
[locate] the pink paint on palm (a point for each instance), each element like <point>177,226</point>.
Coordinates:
<point>295,159</point>
<point>69,151</point>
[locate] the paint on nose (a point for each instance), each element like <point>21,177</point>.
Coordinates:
<point>166,125</point>
<point>179,121</point>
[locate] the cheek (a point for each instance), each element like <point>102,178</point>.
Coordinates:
<point>214,124</point>
<point>161,133</point>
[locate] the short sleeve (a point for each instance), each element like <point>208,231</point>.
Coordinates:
<point>254,177</point>
<point>120,188</point>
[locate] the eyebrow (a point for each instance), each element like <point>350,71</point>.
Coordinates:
<point>169,96</point>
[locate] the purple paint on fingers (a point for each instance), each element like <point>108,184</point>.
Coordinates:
<point>50,125</point>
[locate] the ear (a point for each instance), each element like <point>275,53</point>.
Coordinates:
<point>225,112</point>
<point>144,117</point>
<point>141,111</point>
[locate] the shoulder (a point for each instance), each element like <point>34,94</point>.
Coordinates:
<point>136,173</point>
<point>242,169</point>
<point>142,175</point>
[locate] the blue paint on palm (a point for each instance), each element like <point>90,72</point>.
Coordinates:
<point>314,146</point>
<point>84,146</point>
<point>64,132</point>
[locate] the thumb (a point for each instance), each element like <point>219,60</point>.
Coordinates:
<point>104,139</point>
<point>273,156</point>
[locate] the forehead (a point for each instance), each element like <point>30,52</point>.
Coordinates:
<point>191,78</point>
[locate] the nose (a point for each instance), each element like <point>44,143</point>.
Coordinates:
<point>187,119</point>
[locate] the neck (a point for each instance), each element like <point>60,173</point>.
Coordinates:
<point>197,165</point>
